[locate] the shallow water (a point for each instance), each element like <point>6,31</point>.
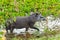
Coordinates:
<point>52,23</point>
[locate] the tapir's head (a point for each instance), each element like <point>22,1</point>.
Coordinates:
<point>37,16</point>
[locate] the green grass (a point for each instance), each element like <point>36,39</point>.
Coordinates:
<point>56,37</point>
<point>0,38</point>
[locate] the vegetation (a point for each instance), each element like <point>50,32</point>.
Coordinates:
<point>12,8</point>
<point>57,37</point>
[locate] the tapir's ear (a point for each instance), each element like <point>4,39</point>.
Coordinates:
<point>37,14</point>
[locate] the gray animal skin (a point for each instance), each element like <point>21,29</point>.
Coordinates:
<point>25,22</point>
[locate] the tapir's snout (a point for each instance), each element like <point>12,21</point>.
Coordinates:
<point>42,18</point>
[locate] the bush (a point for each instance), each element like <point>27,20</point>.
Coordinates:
<point>13,8</point>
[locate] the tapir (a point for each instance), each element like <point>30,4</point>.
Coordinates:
<point>24,22</point>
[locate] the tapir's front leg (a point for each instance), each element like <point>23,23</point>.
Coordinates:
<point>32,26</point>
<point>35,28</point>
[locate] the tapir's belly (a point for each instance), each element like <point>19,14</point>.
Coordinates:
<point>21,25</point>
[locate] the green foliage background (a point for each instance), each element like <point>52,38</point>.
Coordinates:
<point>12,8</point>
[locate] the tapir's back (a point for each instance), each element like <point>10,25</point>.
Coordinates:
<point>21,22</point>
